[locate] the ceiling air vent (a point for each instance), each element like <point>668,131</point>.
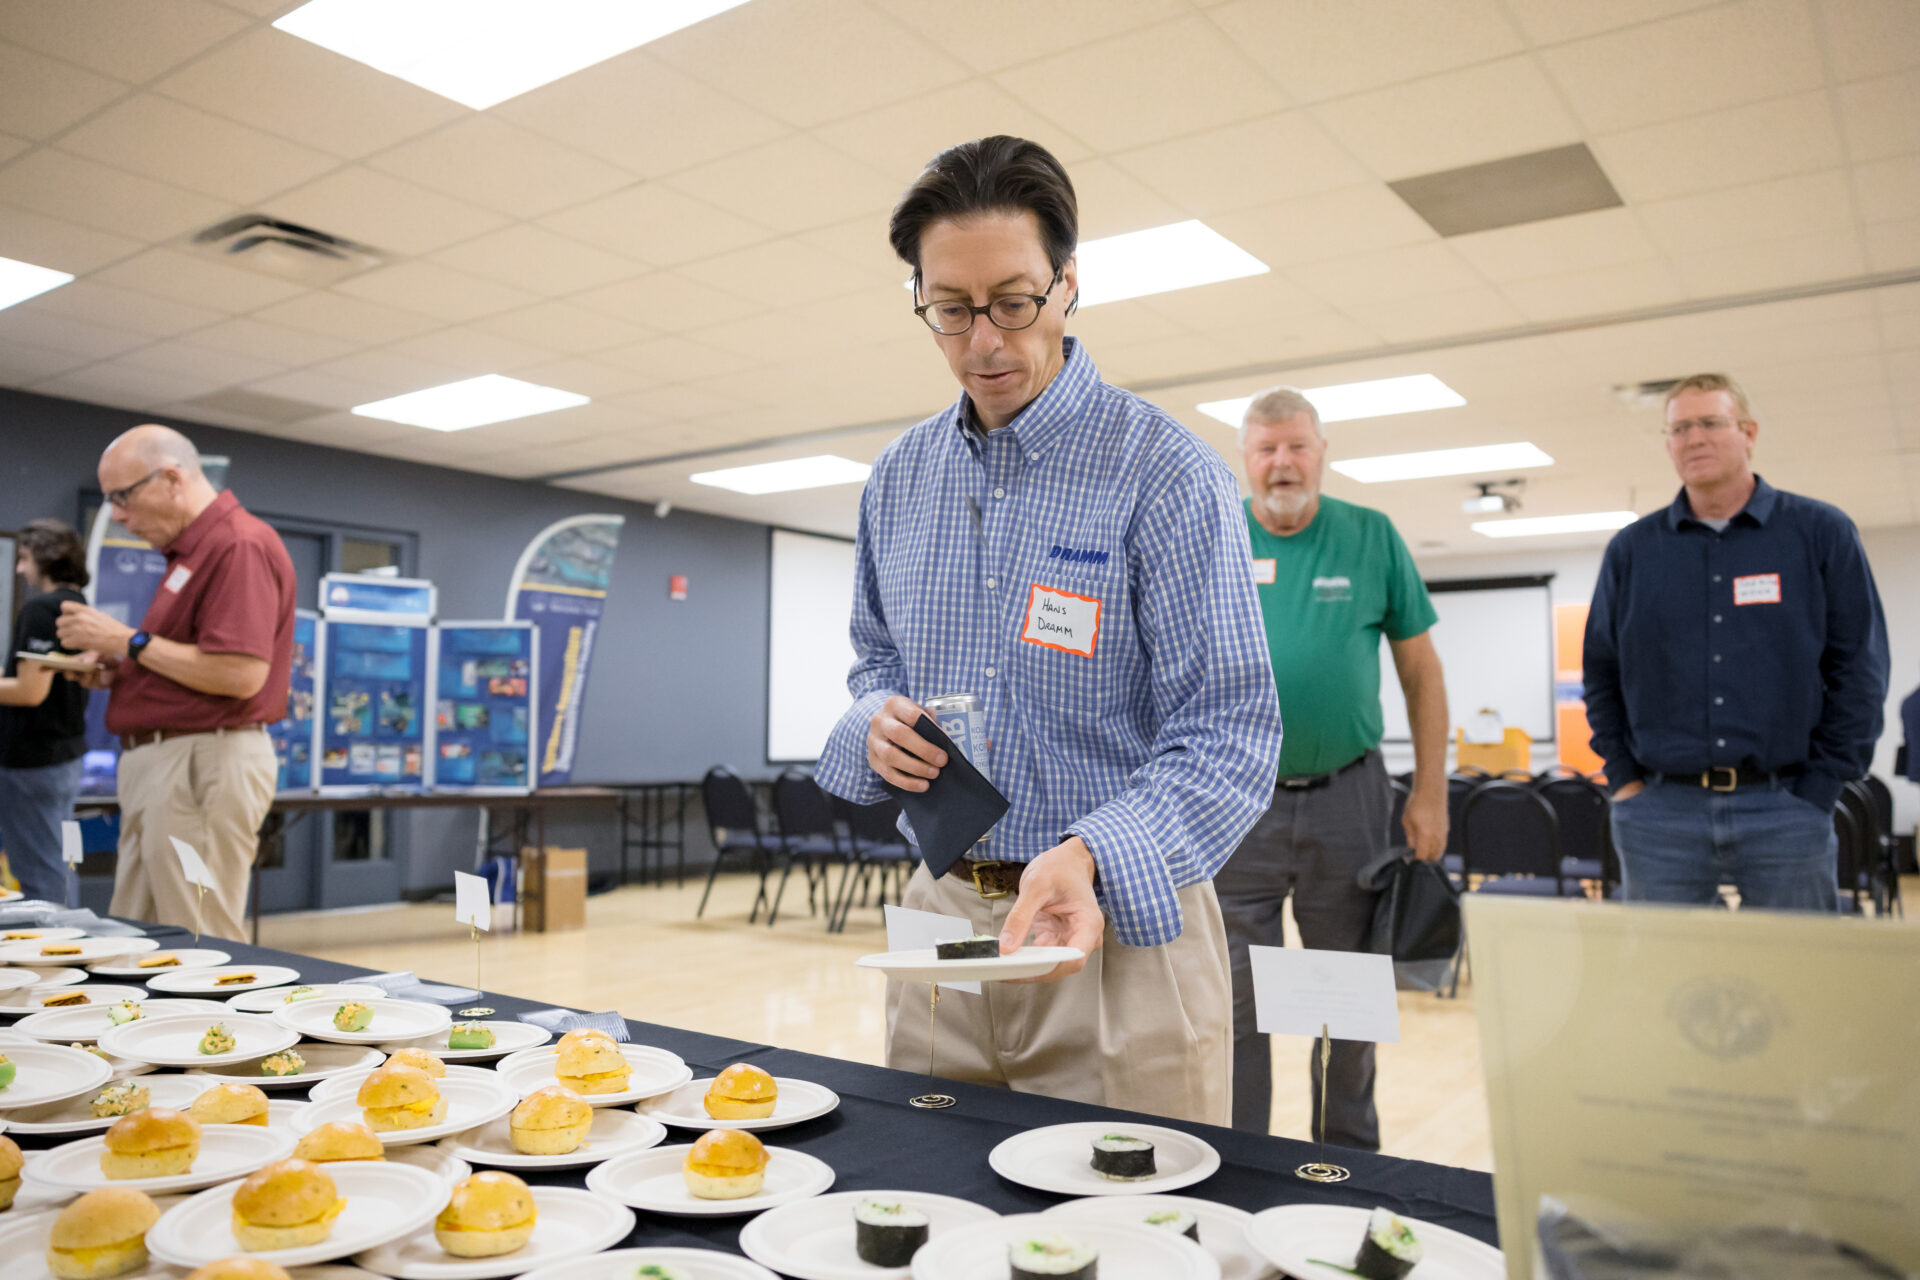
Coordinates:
<point>1509,192</point>
<point>1643,395</point>
<point>285,250</point>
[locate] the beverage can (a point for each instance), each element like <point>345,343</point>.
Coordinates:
<point>962,718</point>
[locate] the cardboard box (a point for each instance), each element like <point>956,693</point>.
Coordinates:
<point>553,887</point>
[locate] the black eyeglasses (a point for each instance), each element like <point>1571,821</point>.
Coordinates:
<point>118,497</point>
<point>1010,312</point>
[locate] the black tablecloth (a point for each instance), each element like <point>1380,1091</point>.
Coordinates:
<point>876,1141</point>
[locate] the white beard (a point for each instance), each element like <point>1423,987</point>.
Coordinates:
<point>1285,506</point>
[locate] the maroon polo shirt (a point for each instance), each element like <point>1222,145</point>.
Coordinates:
<point>228,589</point>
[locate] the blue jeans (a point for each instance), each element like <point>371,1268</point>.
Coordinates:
<point>1678,843</point>
<point>33,804</point>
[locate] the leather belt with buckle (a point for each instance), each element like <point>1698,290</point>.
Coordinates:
<point>1726,777</point>
<point>150,737</point>
<point>1314,781</point>
<point>990,879</point>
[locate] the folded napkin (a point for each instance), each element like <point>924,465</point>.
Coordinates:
<point>37,913</point>
<point>951,815</point>
<point>561,1021</point>
<point>402,985</point>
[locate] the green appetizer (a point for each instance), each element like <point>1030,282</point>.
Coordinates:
<point>298,994</point>
<point>470,1035</point>
<point>7,1070</point>
<point>124,1012</point>
<point>285,1063</point>
<point>352,1016</point>
<point>121,1100</point>
<point>217,1039</point>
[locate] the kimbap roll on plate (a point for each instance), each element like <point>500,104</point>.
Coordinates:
<point>1333,1242</point>
<point>1052,1257</point>
<point>1123,1157</point>
<point>886,1233</point>
<point>1179,1221</point>
<point>981,946</point>
<point>1390,1249</point>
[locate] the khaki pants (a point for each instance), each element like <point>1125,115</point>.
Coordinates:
<point>1141,1028</point>
<point>213,791</point>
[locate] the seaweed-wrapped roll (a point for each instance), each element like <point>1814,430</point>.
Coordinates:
<point>1390,1250</point>
<point>1178,1221</point>
<point>1121,1157</point>
<point>886,1232</point>
<point>981,946</point>
<point>1052,1258</point>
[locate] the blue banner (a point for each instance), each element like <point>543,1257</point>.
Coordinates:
<point>485,688</point>
<point>560,585</point>
<point>293,736</point>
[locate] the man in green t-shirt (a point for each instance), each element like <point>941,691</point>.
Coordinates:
<point>1333,578</point>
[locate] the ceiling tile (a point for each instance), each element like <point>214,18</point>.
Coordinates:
<point>1211,308</point>
<point>1327,225</point>
<point>1318,49</point>
<point>1893,246</point>
<point>1124,324</point>
<point>1406,272</point>
<point>186,359</point>
<point>22,365</point>
<point>1881,117</point>
<point>989,35</point>
<point>785,273</point>
<point>802,333</point>
<point>125,309</point>
<point>1478,310</point>
<point>792,184</point>
<point>898,140</point>
<point>1113,201</point>
<point>434,290</point>
<point>1651,73</point>
<point>1199,82</point>
<point>125,387</point>
<point>11,146</point>
<point>1866,38</point>
<point>57,333</point>
<point>658,223</point>
<point>1772,264</point>
<point>666,300</point>
<point>65,186</point>
<point>1722,149</point>
<point>320,388</point>
<point>395,374</point>
<point>57,243</point>
<point>39,97</point>
<point>679,402</point>
<point>539,261</point>
<point>1277,157</point>
<point>129,39</point>
<point>383,211</point>
<point>1553,21</point>
<point>862,243</point>
<point>1488,112</point>
<point>1888,189</point>
<point>247,336</point>
<point>1783,208</point>
<point>564,327</point>
<point>199,281</point>
<point>671,359</point>
<point>503,167</point>
<point>471,351</point>
<point>1557,246</point>
<point>583,377</point>
<point>334,315</point>
<point>185,146</point>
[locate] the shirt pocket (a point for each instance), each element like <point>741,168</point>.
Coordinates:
<point>1075,651</point>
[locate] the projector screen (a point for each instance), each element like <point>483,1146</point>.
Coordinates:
<point>810,597</point>
<point>1495,640</point>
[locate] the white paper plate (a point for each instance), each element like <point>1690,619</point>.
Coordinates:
<point>620,1264</point>
<point>1223,1228</point>
<point>614,1134</point>
<point>921,966</point>
<point>226,1151</point>
<point>385,1201</point>
<point>324,1061</point>
<point>206,982</point>
<point>24,1239</point>
<point>813,1239</point>
<point>392,1020</point>
<point>437,1160</point>
<point>1291,1235</point>
<point>90,1021</point>
<point>51,933</point>
<point>1059,1157</point>
<point>20,979</point>
<point>174,1041</point>
<point>51,1072</point>
<point>346,1084</point>
<point>189,957</point>
<point>508,1037</point>
<point>283,1112</point>
<point>570,1224</point>
<point>799,1100</point>
<point>655,1071</point>
<point>269,1000</point>
<point>1126,1252</point>
<point>33,999</point>
<point>59,661</point>
<point>651,1180</point>
<point>92,951</point>
<point>471,1102</point>
<point>75,1115</point>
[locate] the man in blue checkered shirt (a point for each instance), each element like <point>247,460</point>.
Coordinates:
<point>1077,559</point>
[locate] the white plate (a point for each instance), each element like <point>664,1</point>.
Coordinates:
<point>798,1100</point>
<point>392,1020</point>
<point>99,996</point>
<point>206,982</point>
<point>813,1239</point>
<point>52,933</point>
<point>620,1264</point>
<point>268,1001</point>
<point>921,966</point>
<point>17,979</point>
<point>282,1112</point>
<point>1223,1228</point>
<point>75,1115</point>
<point>438,1161</point>
<point>471,1102</point>
<point>24,1238</point>
<point>226,1151</point>
<point>1059,1158</point>
<point>614,1133</point>
<point>92,951</point>
<point>59,661</point>
<point>51,1072</point>
<point>1291,1235</point>
<point>508,1037</point>
<point>347,1083</point>
<point>385,1201</point>
<point>1126,1252</point>
<point>569,1224</point>
<point>189,957</point>
<point>174,1041</point>
<point>651,1180</point>
<point>655,1071</point>
<point>91,1021</point>
<point>324,1061</point>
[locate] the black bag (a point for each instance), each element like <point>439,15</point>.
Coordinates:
<point>1416,918</point>
<point>953,813</point>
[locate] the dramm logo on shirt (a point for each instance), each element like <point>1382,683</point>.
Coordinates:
<point>1067,555</point>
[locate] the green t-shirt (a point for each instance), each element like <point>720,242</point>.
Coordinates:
<point>1328,594</point>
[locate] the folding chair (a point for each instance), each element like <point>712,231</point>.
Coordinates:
<point>733,820</point>
<point>877,846</point>
<point>807,836</point>
<point>1586,829</point>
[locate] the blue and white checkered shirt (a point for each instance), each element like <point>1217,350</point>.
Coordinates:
<point>1159,749</point>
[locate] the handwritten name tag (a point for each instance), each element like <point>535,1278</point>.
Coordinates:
<point>1264,572</point>
<point>178,578</point>
<point>1062,620</point>
<point>1757,588</point>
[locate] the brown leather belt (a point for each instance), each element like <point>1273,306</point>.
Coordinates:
<point>149,737</point>
<point>990,879</point>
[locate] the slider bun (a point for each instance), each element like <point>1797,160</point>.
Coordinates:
<point>103,1233</point>
<point>154,1143</point>
<point>725,1164</point>
<point>286,1205</point>
<point>489,1213</point>
<point>230,1104</point>
<point>578,1034</point>
<point>427,1062</point>
<point>240,1269</point>
<point>10,1164</point>
<point>340,1140</point>
<point>396,1085</point>
<point>549,1122</point>
<point>585,1058</point>
<point>742,1092</point>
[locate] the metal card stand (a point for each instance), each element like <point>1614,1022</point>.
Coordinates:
<point>1320,1170</point>
<point>932,1101</point>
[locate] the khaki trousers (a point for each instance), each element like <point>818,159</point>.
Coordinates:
<point>1141,1028</point>
<point>213,791</point>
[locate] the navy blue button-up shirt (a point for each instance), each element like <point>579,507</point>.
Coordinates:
<point>1763,645</point>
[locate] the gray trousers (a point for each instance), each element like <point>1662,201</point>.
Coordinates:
<point>1312,844</point>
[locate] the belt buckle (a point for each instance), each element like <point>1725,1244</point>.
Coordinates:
<point>981,889</point>
<point>1733,778</point>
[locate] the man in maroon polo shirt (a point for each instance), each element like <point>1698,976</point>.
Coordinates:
<point>192,691</point>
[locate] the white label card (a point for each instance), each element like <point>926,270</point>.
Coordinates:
<point>1296,992</point>
<point>190,864</point>
<point>1062,620</point>
<point>1757,588</point>
<point>71,851</point>
<point>1265,571</point>
<point>910,930</point>
<point>472,904</point>
<point>178,578</point>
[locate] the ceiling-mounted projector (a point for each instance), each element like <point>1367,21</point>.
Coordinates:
<point>1487,502</point>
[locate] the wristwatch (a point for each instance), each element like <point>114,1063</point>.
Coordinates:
<point>136,645</point>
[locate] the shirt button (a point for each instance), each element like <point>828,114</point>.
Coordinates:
<point>1716,657</point>
<point>1716,617</point>
<point>1718,701</point>
<point>999,493</point>
<point>992,672</point>
<point>1716,577</point>
<point>1719,742</point>
<point>992,583</point>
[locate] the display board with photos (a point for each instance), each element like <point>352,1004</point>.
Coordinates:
<point>377,684</point>
<point>294,738</point>
<point>486,689</point>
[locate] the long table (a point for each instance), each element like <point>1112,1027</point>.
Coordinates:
<point>877,1141</point>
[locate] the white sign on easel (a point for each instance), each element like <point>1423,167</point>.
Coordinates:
<point>71,853</point>
<point>471,902</point>
<point>910,930</point>
<point>196,875</point>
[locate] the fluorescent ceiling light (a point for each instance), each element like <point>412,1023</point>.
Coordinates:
<point>480,52</point>
<point>1345,401</point>
<point>1442,462</point>
<point>1540,526</point>
<point>1179,255</point>
<point>472,403</point>
<point>782,477</point>
<point>22,280</point>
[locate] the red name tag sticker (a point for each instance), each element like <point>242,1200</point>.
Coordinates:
<point>1757,588</point>
<point>1062,620</point>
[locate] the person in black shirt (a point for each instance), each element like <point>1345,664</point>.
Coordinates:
<point>43,719</point>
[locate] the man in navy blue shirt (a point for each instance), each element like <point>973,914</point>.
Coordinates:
<point>1736,673</point>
